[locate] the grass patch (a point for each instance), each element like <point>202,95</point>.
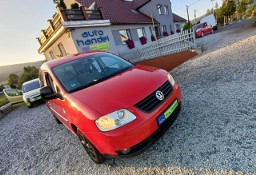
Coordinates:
<point>254,24</point>
<point>3,100</point>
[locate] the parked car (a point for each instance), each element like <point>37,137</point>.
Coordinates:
<point>31,92</point>
<point>13,95</point>
<point>203,29</point>
<point>210,20</point>
<point>116,108</point>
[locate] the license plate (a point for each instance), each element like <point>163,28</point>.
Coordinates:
<point>167,113</point>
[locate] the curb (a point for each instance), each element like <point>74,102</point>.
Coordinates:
<point>5,109</point>
<point>198,50</point>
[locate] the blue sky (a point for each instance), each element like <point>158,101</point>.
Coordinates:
<point>201,6</point>
<point>22,22</point>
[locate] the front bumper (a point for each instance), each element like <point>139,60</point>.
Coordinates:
<point>142,146</point>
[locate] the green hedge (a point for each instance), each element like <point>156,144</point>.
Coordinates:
<point>3,100</point>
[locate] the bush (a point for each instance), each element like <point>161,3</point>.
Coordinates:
<point>143,40</point>
<point>3,100</point>
<point>187,26</point>
<point>130,44</point>
<point>165,34</point>
<point>251,11</point>
<point>254,24</point>
<point>74,6</point>
<point>153,38</point>
<point>62,4</point>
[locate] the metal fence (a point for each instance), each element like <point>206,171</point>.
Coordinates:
<point>172,44</point>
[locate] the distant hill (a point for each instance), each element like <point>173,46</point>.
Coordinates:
<point>5,71</point>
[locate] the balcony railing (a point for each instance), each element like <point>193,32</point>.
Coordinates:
<point>68,15</point>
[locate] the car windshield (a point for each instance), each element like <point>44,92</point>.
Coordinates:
<point>31,86</point>
<point>198,26</point>
<point>85,72</point>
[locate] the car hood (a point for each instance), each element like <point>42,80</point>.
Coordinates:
<point>123,90</point>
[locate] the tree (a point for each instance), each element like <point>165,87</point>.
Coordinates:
<point>29,73</point>
<point>228,8</point>
<point>13,79</point>
<point>241,7</point>
<point>216,5</point>
<point>208,12</point>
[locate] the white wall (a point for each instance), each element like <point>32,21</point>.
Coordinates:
<point>133,28</point>
<point>151,9</point>
<point>96,37</point>
<point>68,44</point>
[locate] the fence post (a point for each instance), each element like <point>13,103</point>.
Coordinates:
<point>194,38</point>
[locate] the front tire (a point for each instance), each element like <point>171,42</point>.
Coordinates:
<point>30,105</point>
<point>90,149</point>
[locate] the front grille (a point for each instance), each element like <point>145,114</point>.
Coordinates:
<point>150,103</point>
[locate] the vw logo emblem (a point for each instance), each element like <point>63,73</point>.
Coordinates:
<point>159,95</point>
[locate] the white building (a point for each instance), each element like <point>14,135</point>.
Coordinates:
<point>115,26</point>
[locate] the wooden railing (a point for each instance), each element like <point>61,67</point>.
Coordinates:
<point>68,15</point>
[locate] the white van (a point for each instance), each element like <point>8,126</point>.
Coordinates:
<point>210,19</point>
<point>31,92</point>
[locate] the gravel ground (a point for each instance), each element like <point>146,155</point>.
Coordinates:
<point>214,133</point>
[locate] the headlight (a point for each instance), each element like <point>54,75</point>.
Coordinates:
<point>171,79</point>
<point>115,120</point>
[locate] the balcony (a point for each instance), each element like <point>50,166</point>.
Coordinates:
<point>62,15</point>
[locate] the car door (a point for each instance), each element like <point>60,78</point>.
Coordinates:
<point>58,105</point>
<point>207,28</point>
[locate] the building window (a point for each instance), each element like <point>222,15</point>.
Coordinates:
<point>62,50</point>
<point>159,9</point>
<point>52,55</point>
<point>125,35</point>
<point>166,10</point>
<point>164,29</point>
<point>141,32</point>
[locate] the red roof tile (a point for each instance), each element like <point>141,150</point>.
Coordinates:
<point>120,11</point>
<point>177,18</point>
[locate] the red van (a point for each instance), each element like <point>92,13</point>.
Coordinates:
<point>116,108</point>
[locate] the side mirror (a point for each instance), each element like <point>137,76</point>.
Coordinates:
<point>47,93</point>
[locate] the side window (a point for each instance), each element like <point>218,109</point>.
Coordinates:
<point>125,35</point>
<point>166,10</point>
<point>159,9</point>
<point>52,55</point>
<point>50,83</point>
<point>13,92</point>
<point>141,32</point>
<point>62,50</point>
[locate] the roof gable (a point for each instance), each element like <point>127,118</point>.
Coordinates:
<point>177,18</point>
<point>120,11</point>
